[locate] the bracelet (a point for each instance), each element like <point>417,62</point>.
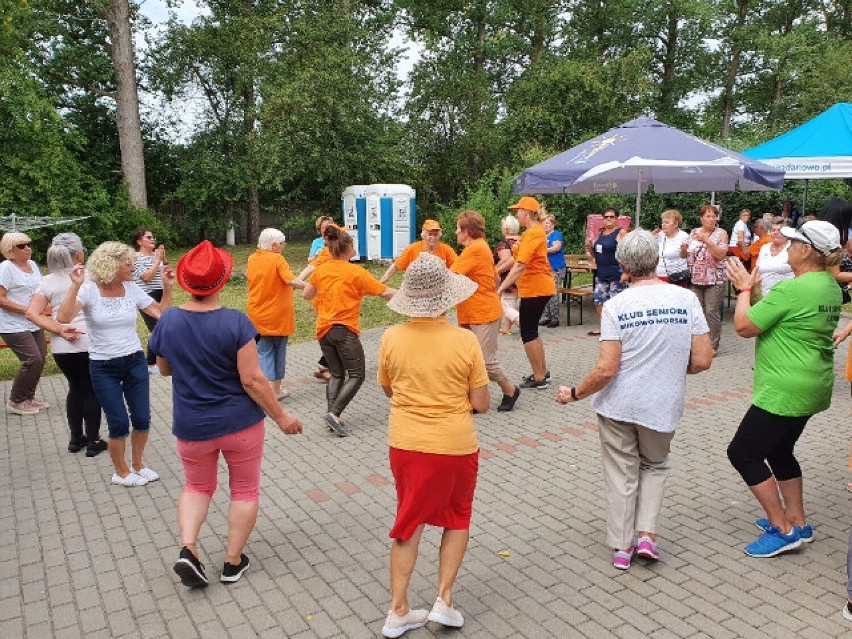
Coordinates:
<point>744,290</point>
<point>574,394</point>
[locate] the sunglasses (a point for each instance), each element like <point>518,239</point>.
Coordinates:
<point>609,217</point>
<point>24,245</point>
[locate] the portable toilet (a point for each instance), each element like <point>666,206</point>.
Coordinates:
<point>397,211</point>
<point>372,203</point>
<point>354,204</point>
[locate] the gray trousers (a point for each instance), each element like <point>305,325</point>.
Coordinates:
<point>31,349</point>
<point>711,298</point>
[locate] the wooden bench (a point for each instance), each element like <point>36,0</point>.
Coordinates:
<point>575,296</point>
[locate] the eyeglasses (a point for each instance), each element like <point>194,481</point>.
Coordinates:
<point>609,217</point>
<point>24,245</point>
<point>148,237</point>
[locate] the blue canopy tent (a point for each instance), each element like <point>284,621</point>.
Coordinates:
<point>644,152</point>
<point>819,149</point>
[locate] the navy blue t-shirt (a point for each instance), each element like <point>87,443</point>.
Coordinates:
<point>208,400</point>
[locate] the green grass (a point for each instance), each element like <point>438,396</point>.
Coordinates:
<point>374,311</point>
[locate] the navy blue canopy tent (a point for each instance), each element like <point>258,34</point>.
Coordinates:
<point>644,152</point>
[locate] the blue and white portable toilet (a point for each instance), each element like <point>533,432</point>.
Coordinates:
<point>396,211</point>
<point>354,204</point>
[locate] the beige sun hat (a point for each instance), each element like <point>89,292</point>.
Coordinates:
<point>429,289</point>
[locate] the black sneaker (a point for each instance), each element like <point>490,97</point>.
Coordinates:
<point>232,573</point>
<point>544,322</point>
<point>553,324</point>
<point>508,402</point>
<point>76,445</point>
<point>531,377</point>
<point>96,448</point>
<point>190,570</point>
<point>532,383</point>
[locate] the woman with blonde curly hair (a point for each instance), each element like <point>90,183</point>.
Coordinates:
<point>117,364</point>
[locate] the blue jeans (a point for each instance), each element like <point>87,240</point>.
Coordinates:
<point>272,355</point>
<point>118,380</point>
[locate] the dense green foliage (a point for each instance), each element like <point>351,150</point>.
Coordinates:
<point>292,101</point>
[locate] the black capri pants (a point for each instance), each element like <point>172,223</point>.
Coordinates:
<point>763,446</point>
<point>529,311</point>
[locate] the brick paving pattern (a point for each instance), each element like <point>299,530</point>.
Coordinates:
<point>84,558</point>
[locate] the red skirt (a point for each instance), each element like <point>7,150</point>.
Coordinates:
<point>432,489</point>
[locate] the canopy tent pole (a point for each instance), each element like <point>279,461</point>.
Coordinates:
<point>639,196</point>
<point>805,199</point>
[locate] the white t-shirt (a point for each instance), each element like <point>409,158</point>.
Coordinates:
<point>55,287</point>
<point>740,226</point>
<point>19,287</point>
<point>111,321</point>
<point>670,259</point>
<point>772,268</point>
<point>655,324</point>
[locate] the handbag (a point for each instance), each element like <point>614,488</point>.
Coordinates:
<point>681,277</point>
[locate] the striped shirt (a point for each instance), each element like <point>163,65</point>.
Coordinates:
<point>142,265</point>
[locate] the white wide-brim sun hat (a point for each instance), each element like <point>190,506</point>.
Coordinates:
<point>429,289</point>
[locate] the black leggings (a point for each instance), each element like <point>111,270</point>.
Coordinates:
<point>82,404</point>
<point>150,322</point>
<point>345,355</point>
<point>530,310</point>
<point>763,446</point>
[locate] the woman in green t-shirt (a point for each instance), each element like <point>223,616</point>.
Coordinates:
<point>793,378</point>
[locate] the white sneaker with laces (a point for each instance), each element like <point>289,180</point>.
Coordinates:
<point>396,626</point>
<point>446,615</point>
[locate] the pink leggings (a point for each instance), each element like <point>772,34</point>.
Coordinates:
<point>243,453</point>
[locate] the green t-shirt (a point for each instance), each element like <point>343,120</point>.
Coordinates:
<point>794,355</point>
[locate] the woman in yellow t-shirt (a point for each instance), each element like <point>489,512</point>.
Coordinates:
<point>337,288</point>
<point>534,278</point>
<point>434,374</point>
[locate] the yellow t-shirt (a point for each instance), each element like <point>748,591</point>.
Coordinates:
<point>477,263</point>
<point>340,288</point>
<point>431,366</point>
<point>537,279</point>
<point>270,297</point>
<point>444,251</point>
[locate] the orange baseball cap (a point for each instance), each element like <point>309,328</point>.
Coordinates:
<point>431,225</point>
<point>526,202</point>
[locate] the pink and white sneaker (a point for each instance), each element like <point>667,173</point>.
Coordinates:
<point>622,558</point>
<point>647,548</point>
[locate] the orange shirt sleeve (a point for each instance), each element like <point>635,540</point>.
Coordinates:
<point>408,256</point>
<point>447,254</point>
<point>530,245</point>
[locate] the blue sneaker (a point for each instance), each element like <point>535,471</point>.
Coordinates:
<point>806,532</point>
<point>773,542</point>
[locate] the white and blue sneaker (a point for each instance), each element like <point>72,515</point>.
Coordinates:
<point>806,532</point>
<point>773,542</point>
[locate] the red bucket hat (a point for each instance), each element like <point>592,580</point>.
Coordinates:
<point>204,270</point>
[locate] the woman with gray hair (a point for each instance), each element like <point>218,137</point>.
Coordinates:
<point>116,362</point>
<point>503,262</point>
<point>270,305</point>
<point>19,279</point>
<point>70,345</point>
<point>652,335</point>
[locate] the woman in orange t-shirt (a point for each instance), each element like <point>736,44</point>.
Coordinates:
<point>534,277</point>
<point>270,305</point>
<point>337,288</point>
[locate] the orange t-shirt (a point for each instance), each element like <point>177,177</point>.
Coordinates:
<point>340,288</point>
<point>444,251</point>
<point>477,263</point>
<point>322,257</point>
<point>270,296</point>
<point>754,248</point>
<point>431,367</point>
<point>537,279</point>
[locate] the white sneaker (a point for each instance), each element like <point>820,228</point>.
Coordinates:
<point>283,394</point>
<point>21,408</point>
<point>153,370</point>
<point>146,473</point>
<point>131,480</point>
<point>446,615</point>
<point>37,403</point>
<point>397,626</point>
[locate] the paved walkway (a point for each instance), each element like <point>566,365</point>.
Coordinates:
<point>83,558</point>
